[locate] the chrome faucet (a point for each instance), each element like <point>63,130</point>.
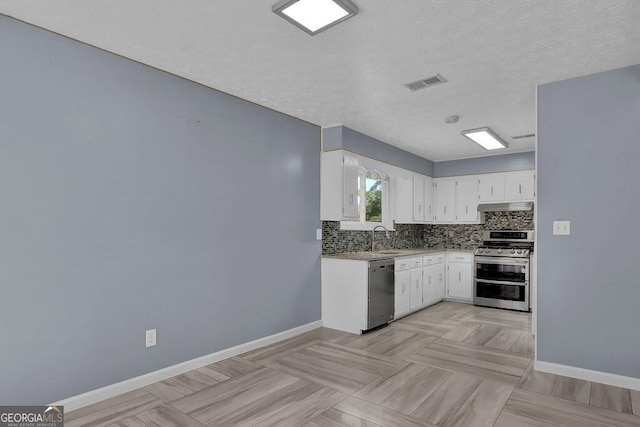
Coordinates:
<point>373,235</point>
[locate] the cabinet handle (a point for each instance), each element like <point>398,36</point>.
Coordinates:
<point>419,208</point>
<point>520,188</point>
<point>429,210</point>
<point>467,209</point>
<point>403,288</point>
<point>492,190</point>
<point>429,279</point>
<point>440,276</point>
<point>445,210</point>
<point>459,277</point>
<point>351,199</point>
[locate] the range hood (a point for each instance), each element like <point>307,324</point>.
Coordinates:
<point>500,207</point>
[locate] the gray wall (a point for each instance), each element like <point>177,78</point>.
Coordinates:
<point>342,137</point>
<point>131,200</point>
<point>589,282</point>
<point>498,163</point>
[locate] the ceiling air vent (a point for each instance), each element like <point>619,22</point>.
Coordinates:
<point>530,135</point>
<point>425,83</point>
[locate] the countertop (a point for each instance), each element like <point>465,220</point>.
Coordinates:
<point>392,253</point>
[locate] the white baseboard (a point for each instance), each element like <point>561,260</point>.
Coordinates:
<point>588,375</point>
<point>107,392</point>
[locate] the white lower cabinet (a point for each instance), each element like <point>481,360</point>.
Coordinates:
<point>416,287</point>
<point>419,282</point>
<point>433,279</point>
<point>439,277</point>
<point>460,276</point>
<point>402,292</point>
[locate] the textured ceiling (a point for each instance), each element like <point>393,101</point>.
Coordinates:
<point>493,53</point>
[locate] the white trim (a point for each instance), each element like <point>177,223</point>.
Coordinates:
<point>94,396</point>
<point>588,375</point>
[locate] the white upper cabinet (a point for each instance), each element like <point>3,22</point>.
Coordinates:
<point>445,191</point>
<point>350,187</point>
<point>507,186</point>
<point>520,185</point>
<point>491,187</point>
<point>467,199</point>
<point>428,199</point>
<point>418,198</point>
<point>422,198</point>
<point>403,199</point>
<point>413,199</point>
<point>339,186</point>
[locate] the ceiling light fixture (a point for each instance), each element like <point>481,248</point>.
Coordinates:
<point>485,138</point>
<point>314,16</point>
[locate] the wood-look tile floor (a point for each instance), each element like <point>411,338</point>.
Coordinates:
<point>448,365</point>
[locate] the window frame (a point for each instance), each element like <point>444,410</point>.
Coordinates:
<point>387,220</point>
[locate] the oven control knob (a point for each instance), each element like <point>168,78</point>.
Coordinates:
<point>520,251</point>
<point>499,251</point>
<point>513,251</point>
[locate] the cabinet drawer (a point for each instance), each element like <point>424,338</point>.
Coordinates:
<point>439,258</point>
<point>416,262</point>
<point>460,257</point>
<point>428,260</point>
<point>402,264</point>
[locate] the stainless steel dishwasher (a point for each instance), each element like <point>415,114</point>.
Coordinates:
<point>381,293</point>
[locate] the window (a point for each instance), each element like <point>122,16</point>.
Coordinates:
<point>373,202</point>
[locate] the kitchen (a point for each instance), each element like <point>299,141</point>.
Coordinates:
<point>185,185</point>
<point>462,212</point>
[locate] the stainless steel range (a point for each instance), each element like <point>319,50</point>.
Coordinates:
<point>502,270</point>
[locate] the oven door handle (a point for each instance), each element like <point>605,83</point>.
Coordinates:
<point>498,282</point>
<point>501,260</point>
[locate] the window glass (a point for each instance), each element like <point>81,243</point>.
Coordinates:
<point>373,200</point>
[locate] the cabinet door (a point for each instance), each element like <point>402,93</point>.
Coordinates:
<point>403,199</point>
<point>429,281</point>
<point>491,187</point>
<point>445,200</point>
<point>519,185</point>
<point>467,199</point>
<point>416,287</point>
<point>428,199</point>
<point>439,274</point>
<point>350,187</point>
<point>460,281</point>
<point>402,293</point>
<point>418,198</point>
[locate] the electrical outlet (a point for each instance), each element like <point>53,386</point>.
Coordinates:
<point>561,228</point>
<point>319,234</point>
<point>150,339</point>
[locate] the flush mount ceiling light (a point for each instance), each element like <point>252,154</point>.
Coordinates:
<point>485,138</point>
<point>314,16</point>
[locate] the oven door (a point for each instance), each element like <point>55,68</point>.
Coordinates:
<point>502,269</point>
<point>510,295</point>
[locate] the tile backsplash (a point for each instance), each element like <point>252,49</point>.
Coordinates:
<point>465,236</point>
<point>453,236</point>
<point>336,241</point>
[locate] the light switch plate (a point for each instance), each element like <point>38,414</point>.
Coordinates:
<point>319,234</point>
<point>561,228</point>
